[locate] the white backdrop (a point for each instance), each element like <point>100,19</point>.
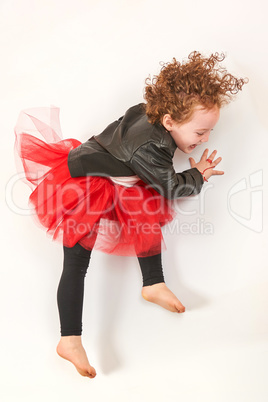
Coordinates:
<point>90,58</point>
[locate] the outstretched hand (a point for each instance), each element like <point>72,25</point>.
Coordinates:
<point>205,163</point>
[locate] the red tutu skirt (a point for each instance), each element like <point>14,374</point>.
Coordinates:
<point>90,210</point>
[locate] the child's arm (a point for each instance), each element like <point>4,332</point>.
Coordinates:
<point>153,163</point>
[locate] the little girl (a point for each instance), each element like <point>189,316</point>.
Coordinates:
<point>113,192</point>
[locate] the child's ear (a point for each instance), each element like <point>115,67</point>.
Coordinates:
<point>168,122</point>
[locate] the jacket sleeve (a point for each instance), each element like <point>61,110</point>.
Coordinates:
<point>153,163</point>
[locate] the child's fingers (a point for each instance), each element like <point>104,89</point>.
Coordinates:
<point>217,161</point>
<point>192,162</point>
<point>205,155</point>
<point>217,172</point>
<point>212,155</point>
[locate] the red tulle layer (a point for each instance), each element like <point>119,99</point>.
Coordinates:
<point>91,210</point>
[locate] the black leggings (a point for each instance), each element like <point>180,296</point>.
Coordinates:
<point>71,287</point>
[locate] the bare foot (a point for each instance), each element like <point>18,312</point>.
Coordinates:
<point>71,348</point>
<point>161,295</point>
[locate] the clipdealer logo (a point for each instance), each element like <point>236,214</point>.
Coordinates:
<point>251,188</point>
<point>248,190</point>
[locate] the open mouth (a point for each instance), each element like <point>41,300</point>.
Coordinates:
<point>192,146</point>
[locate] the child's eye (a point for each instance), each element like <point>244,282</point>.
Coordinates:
<point>200,133</point>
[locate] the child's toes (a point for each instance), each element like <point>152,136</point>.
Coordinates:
<point>181,309</point>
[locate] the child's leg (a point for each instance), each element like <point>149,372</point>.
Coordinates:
<point>70,304</point>
<point>151,269</point>
<point>71,289</point>
<point>154,287</point>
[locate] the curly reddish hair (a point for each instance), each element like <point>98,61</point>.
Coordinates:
<point>180,87</point>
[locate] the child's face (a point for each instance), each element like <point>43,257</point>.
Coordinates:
<point>195,131</point>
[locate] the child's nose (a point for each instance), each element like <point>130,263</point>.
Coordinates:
<point>205,137</point>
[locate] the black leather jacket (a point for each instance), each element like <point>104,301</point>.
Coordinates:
<point>132,146</point>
